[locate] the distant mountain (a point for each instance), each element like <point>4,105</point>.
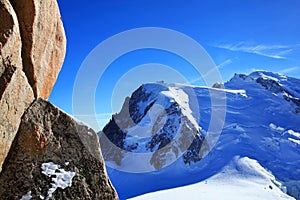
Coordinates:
<point>169,135</point>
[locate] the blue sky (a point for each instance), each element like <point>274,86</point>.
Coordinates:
<point>240,36</point>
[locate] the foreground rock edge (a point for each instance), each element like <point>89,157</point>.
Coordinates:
<point>47,135</point>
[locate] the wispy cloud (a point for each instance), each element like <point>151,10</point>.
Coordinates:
<point>222,64</point>
<point>226,62</point>
<point>271,51</point>
<point>288,70</point>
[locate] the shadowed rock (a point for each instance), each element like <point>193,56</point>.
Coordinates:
<point>47,135</point>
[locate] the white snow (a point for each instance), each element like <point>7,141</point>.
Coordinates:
<point>267,75</point>
<point>276,128</point>
<point>183,100</point>
<point>27,196</point>
<point>295,141</point>
<point>293,133</point>
<point>239,92</point>
<point>243,178</point>
<point>60,177</point>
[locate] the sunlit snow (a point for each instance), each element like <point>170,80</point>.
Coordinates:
<point>243,178</point>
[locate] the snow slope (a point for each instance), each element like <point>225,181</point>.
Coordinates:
<point>259,145</point>
<point>243,178</point>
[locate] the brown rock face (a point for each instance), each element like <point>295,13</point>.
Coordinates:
<point>15,99</point>
<point>43,152</point>
<point>10,41</point>
<point>32,40</point>
<point>15,92</point>
<point>46,137</point>
<point>44,43</point>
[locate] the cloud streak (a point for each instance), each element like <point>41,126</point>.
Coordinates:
<point>288,70</point>
<point>226,62</point>
<point>271,51</point>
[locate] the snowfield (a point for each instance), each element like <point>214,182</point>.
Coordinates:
<point>243,178</point>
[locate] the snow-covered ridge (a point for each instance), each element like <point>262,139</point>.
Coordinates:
<point>262,123</point>
<point>277,84</point>
<point>182,99</point>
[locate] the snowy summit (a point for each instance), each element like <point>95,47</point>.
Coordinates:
<point>241,138</point>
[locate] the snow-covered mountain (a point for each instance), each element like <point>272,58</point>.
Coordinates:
<point>167,135</point>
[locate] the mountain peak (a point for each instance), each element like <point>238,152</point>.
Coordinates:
<point>284,87</point>
<point>155,115</point>
<point>165,128</point>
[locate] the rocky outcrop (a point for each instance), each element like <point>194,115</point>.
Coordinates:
<point>44,43</point>
<point>15,92</point>
<point>49,139</point>
<point>32,49</point>
<point>44,153</point>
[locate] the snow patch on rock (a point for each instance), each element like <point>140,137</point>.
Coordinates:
<point>60,177</point>
<point>27,196</point>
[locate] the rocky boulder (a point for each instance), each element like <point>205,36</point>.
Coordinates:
<point>43,43</point>
<point>53,156</point>
<point>15,92</point>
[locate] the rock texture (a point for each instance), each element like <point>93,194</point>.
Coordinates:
<point>15,92</point>
<point>10,40</point>
<point>44,43</point>
<point>44,153</point>
<point>32,49</point>
<point>48,135</point>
